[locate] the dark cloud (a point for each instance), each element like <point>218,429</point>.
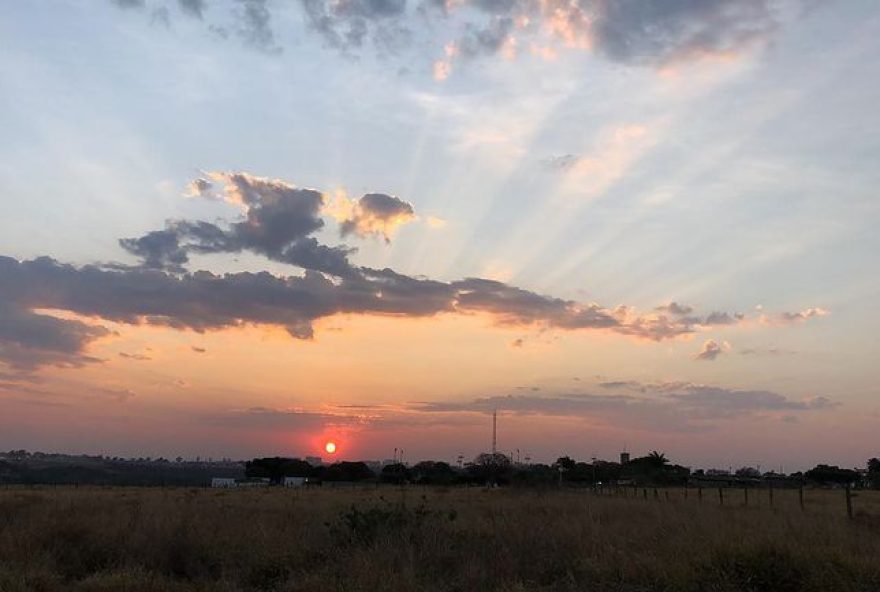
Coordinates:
<point>199,350</point>
<point>722,318</point>
<point>487,40</point>
<point>650,32</point>
<point>129,3</point>
<point>255,26</point>
<point>136,357</point>
<point>29,340</point>
<point>195,8</point>
<point>636,32</point>
<point>203,301</point>
<point>676,308</point>
<point>350,24</point>
<point>278,222</point>
<point>377,213</point>
<point>159,249</point>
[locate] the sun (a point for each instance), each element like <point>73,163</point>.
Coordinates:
<point>330,447</point>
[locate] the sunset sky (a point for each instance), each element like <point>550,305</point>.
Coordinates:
<point>247,227</point>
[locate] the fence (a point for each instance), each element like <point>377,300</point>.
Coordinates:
<point>767,497</point>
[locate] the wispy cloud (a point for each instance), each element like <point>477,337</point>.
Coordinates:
<point>675,406</point>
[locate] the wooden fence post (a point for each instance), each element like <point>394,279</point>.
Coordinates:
<point>746,495</point>
<point>721,496</point>
<point>849,508</point>
<point>700,494</point>
<point>801,497</point>
<point>666,492</point>
<point>645,493</point>
<point>771,495</point>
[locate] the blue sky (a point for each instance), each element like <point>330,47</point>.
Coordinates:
<point>733,170</point>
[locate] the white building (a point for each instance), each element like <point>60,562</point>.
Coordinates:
<point>294,481</point>
<point>223,482</point>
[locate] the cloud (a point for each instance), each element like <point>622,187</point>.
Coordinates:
<point>686,407</point>
<point>720,402</point>
<point>632,32</point>
<point>373,214</point>
<point>203,301</point>
<point>129,3</point>
<point>563,162</point>
<point>269,418</point>
<point>711,350</point>
<point>194,8</point>
<point>350,24</point>
<point>766,352</point>
<point>675,308</point>
<point>29,340</point>
<point>648,32</point>
<point>255,26</point>
<point>158,249</point>
<point>136,357</point>
<point>625,384</point>
<point>278,221</point>
<point>803,315</point>
<point>199,350</point>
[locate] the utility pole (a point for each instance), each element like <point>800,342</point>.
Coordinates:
<point>494,432</point>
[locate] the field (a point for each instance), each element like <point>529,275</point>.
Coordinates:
<point>402,539</point>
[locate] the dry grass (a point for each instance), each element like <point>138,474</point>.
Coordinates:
<point>431,539</point>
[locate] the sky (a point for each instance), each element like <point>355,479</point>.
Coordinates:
<point>236,228</point>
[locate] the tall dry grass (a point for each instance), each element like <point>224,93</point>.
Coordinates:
<point>431,539</point>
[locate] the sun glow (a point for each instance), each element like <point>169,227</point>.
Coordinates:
<point>330,447</point>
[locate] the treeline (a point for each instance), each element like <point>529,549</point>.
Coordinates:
<point>45,469</point>
<point>486,468</point>
<point>653,469</point>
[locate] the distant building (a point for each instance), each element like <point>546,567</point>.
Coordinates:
<point>223,482</point>
<point>315,461</point>
<point>624,458</point>
<point>294,481</point>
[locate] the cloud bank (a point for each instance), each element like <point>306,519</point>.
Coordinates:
<point>278,222</point>
<point>630,32</point>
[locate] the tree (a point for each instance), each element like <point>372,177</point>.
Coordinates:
<point>748,472</point>
<point>395,473</point>
<point>276,468</point>
<point>832,475</point>
<point>432,472</point>
<point>490,468</point>
<point>566,463</point>
<point>656,468</point>
<point>874,472</point>
<point>657,459</point>
<point>347,471</point>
